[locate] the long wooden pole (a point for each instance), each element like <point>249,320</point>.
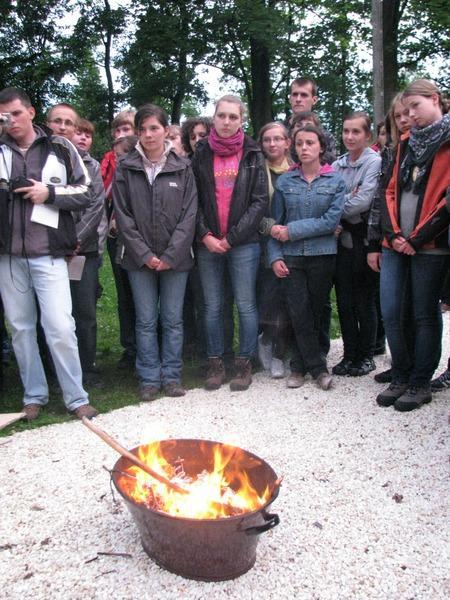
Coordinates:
<point>131,457</point>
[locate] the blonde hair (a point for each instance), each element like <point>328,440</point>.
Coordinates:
<point>395,134</point>
<point>426,88</point>
<point>234,100</point>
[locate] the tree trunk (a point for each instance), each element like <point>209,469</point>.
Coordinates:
<point>378,62</point>
<point>392,12</point>
<point>107,43</point>
<point>261,106</point>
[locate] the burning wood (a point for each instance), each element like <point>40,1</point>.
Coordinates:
<point>221,489</point>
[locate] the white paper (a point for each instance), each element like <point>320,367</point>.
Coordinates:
<point>45,215</point>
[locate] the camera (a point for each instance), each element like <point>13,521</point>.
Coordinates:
<point>19,182</point>
<point>5,119</point>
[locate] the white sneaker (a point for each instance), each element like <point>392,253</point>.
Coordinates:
<point>264,353</point>
<point>277,368</point>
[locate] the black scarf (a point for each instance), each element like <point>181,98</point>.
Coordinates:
<point>422,147</point>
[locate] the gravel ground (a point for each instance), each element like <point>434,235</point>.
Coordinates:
<point>363,506</point>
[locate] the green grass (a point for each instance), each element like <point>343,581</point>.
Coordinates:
<point>120,386</point>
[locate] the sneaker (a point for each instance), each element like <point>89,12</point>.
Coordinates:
<point>362,367</point>
<point>343,367</point>
<point>295,380</point>
<point>148,393</point>
<point>264,353</point>
<point>174,390</point>
<point>384,376</point>
<point>324,381</point>
<point>391,394</point>
<point>31,411</point>
<point>86,410</point>
<point>442,382</point>
<point>215,375</point>
<point>277,368</point>
<point>413,398</point>
<point>243,375</point>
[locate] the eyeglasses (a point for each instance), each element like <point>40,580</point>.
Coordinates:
<point>66,122</point>
<point>277,139</point>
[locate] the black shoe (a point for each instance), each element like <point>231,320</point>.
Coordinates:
<point>93,379</point>
<point>442,382</point>
<point>384,376</point>
<point>127,361</point>
<point>343,367</point>
<point>413,398</point>
<point>391,394</point>
<point>362,367</point>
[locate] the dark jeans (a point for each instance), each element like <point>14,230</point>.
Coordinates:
<point>423,275</point>
<point>84,311</point>
<point>125,303</point>
<point>356,288</point>
<point>194,317</point>
<point>307,290</point>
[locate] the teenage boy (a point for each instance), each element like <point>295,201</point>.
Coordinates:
<point>42,179</point>
<point>121,127</point>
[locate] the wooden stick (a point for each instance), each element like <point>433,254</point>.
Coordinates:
<point>132,458</point>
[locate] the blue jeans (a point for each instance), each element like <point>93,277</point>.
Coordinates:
<point>45,278</point>
<point>416,279</point>
<point>164,289</point>
<point>242,264</point>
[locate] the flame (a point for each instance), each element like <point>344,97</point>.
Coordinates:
<point>224,490</point>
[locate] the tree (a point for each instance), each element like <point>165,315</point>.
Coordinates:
<point>35,49</point>
<point>159,65</point>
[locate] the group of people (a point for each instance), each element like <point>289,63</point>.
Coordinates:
<point>200,219</point>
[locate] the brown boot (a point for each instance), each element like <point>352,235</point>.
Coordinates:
<point>242,376</point>
<point>215,374</point>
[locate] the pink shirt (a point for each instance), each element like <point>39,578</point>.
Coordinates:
<point>225,173</point>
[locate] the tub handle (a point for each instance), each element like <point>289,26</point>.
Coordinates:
<point>272,521</point>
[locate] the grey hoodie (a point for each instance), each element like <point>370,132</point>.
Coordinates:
<point>361,180</point>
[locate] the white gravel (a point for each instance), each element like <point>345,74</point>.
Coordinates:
<point>342,533</point>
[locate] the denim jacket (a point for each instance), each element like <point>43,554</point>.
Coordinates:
<point>311,211</point>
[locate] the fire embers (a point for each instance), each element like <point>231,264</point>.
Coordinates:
<point>217,476</point>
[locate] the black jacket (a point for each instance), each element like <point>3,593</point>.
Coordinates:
<point>249,200</point>
<point>155,220</point>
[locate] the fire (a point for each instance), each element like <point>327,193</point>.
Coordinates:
<point>217,479</point>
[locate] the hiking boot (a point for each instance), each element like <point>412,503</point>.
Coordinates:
<point>215,375</point>
<point>343,367</point>
<point>442,382</point>
<point>295,380</point>
<point>277,368</point>
<point>148,393</point>
<point>31,411</point>
<point>391,394</point>
<point>242,376</point>
<point>324,381</point>
<point>362,367</point>
<point>384,376</point>
<point>86,410</point>
<point>413,398</point>
<point>174,390</point>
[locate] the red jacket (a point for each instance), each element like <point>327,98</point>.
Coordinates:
<point>108,168</point>
<point>432,219</point>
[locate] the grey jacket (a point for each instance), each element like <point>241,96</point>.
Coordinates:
<point>155,220</point>
<point>54,161</point>
<point>361,175</point>
<point>87,222</point>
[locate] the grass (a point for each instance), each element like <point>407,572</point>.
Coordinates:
<point>120,386</point>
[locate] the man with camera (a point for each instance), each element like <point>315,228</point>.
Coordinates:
<point>42,179</point>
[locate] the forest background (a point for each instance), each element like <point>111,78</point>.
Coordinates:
<point>104,55</point>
